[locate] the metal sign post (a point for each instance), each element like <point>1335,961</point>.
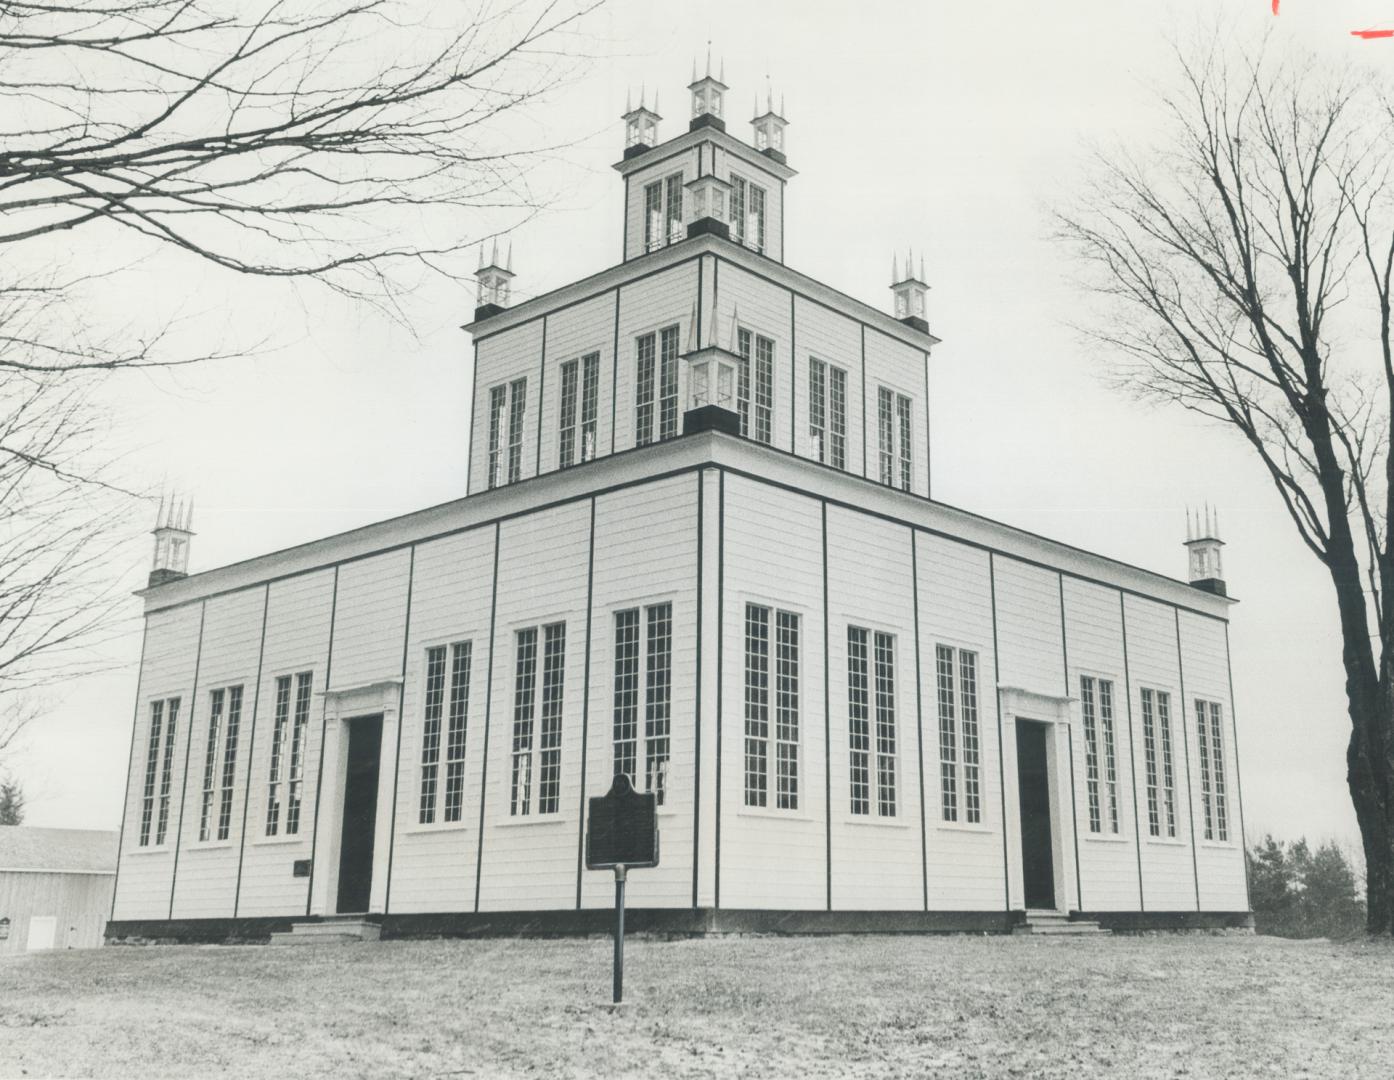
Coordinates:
<point>622,835</point>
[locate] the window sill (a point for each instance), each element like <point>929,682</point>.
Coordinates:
<point>954,826</point>
<point>280,841</point>
<point>1166,841</point>
<point>523,820</point>
<point>876,821</point>
<point>211,845</point>
<point>766,814</point>
<point>149,849</point>
<point>442,827</point>
<point>1104,838</point>
<point>1218,845</point>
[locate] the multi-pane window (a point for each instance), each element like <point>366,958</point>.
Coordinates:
<point>1158,762</point>
<point>748,213</point>
<point>580,394</point>
<point>656,386</point>
<point>860,670</point>
<point>893,438</point>
<point>651,683</point>
<point>537,720</point>
<point>663,212</point>
<point>1100,757</point>
<point>956,688</point>
<point>220,763</point>
<point>507,409</point>
<point>285,783</point>
<point>758,729</point>
<point>159,771</point>
<point>447,708</point>
<point>827,412</point>
<point>1210,728</point>
<point>757,373</point>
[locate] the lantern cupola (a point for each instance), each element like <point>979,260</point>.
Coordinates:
<point>769,129</point>
<point>911,293</point>
<point>708,108</point>
<point>173,532</point>
<point>495,282</point>
<point>640,126</point>
<point>1203,545</point>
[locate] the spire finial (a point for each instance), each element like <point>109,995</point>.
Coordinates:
<point>721,75</point>
<point>655,101</point>
<point>494,254</point>
<point>922,277</point>
<point>628,100</point>
<point>160,513</point>
<point>895,269</point>
<point>643,93</point>
<point>694,69</point>
<point>709,58</point>
<point>189,516</point>
<point>781,103</point>
<point>509,265</point>
<point>692,342</point>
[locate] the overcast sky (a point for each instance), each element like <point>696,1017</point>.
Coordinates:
<point>949,127</point>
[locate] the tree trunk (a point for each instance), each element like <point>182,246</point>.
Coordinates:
<point>1372,813</point>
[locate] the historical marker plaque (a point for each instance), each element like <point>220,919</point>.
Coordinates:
<point>623,828</point>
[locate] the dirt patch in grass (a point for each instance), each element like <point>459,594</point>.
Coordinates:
<point>1162,1006</point>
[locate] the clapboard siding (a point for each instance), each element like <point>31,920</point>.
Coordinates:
<point>836,340</point>
<point>1107,860</point>
<point>773,556</point>
<point>297,640</point>
<point>1221,864</point>
<point>896,366</point>
<point>645,553</point>
<point>433,865</point>
<point>876,860</point>
<point>763,308</point>
<point>647,306</point>
<point>955,595</point>
<point>528,860</point>
<point>145,874</point>
<point>500,359</point>
<point>207,879</point>
<point>369,620</point>
<point>571,334</point>
<point>1028,627</point>
<point>684,163</point>
<point>1168,877</point>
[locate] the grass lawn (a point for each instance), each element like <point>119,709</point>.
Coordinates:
<point>769,1007</point>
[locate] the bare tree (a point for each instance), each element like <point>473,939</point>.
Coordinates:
<point>358,143</point>
<point>1245,272</point>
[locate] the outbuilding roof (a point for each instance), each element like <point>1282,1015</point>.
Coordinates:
<point>26,847</point>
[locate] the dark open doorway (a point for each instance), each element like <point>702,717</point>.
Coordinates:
<point>360,814</point>
<point>1033,779</point>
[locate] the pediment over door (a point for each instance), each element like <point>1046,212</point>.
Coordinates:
<point>367,699</point>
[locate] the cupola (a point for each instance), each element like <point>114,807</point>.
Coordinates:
<point>708,198</point>
<point>640,126</point>
<point>173,531</point>
<point>495,280</point>
<point>910,293</point>
<point>769,129</point>
<point>711,382</point>
<point>708,109</point>
<point>1203,544</point>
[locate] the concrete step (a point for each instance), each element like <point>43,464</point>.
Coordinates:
<point>1060,923</point>
<point>335,930</point>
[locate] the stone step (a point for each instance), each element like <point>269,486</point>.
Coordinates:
<point>330,931</point>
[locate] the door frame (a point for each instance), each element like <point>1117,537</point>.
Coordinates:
<point>1054,713</point>
<point>341,708</point>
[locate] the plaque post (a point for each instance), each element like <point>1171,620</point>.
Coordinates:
<point>619,934</point>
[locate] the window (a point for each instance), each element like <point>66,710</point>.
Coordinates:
<point>540,756</point>
<point>827,412</point>
<point>663,212</point>
<point>1212,769</point>
<point>956,683</point>
<point>748,213</point>
<point>760,350</point>
<point>656,689</point>
<point>159,770</point>
<point>220,763</point>
<point>456,713</point>
<point>664,369</point>
<point>859,667</point>
<point>506,446</point>
<point>757,707</point>
<point>286,782</point>
<point>580,386</point>
<point>893,428</point>
<point>1100,760</point>
<point>1156,744</point>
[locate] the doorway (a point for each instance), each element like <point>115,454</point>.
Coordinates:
<point>360,814</point>
<point>1033,779</point>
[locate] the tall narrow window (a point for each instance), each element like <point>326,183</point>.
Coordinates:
<point>656,386</point>
<point>1157,762</point>
<point>625,733</point>
<point>860,668</point>
<point>458,716</point>
<point>859,719</point>
<point>580,390</point>
<point>748,213</point>
<point>517,409</point>
<point>756,373</point>
<point>663,212</point>
<point>827,412</point>
<point>658,697</point>
<point>507,412</point>
<point>893,438</point>
<point>885,725</point>
<point>430,733</point>
<point>757,707</point>
<point>220,763</point>
<point>154,808</point>
<point>540,756</point>
<point>956,680</point>
<point>299,733</point>
<point>1210,729</point>
<point>566,425</point>
<point>1100,766</point>
<point>590,404</point>
<point>286,778</point>
<point>278,744</point>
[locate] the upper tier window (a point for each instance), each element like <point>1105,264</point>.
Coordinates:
<point>663,212</point>
<point>748,213</point>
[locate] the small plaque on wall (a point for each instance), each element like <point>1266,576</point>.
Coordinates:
<point>301,868</point>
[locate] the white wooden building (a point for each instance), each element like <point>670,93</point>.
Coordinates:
<point>697,546</point>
